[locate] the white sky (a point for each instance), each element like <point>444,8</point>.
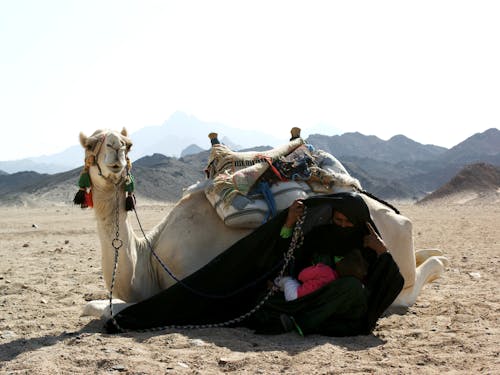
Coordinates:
<point>427,69</point>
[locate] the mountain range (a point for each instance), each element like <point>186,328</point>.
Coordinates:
<point>171,139</point>
<point>474,180</point>
<point>402,168</point>
<point>398,168</point>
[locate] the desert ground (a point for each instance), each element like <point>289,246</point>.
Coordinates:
<point>50,267</point>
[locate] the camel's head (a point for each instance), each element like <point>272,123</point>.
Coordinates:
<point>107,150</point>
<point>106,160</point>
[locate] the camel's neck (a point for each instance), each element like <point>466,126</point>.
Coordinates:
<point>116,233</point>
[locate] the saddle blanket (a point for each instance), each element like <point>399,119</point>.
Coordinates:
<point>245,196</point>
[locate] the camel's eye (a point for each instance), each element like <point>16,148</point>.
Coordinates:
<point>90,145</point>
<point>121,148</point>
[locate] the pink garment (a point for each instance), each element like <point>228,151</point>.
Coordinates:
<point>315,277</point>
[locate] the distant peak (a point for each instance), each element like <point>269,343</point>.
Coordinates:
<point>491,131</point>
<point>156,156</point>
<point>179,115</point>
<point>400,138</point>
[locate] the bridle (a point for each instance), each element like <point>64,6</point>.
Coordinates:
<point>95,153</point>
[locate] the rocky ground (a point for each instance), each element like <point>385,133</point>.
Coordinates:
<point>50,267</point>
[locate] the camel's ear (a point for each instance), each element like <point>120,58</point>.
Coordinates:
<point>88,143</point>
<point>83,140</point>
<point>128,144</point>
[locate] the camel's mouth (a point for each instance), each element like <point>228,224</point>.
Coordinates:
<point>115,168</point>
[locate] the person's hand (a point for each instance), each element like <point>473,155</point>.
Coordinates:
<point>280,282</point>
<point>373,241</point>
<point>295,211</point>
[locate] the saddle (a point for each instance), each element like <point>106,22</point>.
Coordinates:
<point>249,188</point>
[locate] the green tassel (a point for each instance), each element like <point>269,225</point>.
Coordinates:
<point>129,189</point>
<point>84,181</point>
<point>130,184</point>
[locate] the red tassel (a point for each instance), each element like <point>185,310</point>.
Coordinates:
<point>273,168</point>
<point>88,199</point>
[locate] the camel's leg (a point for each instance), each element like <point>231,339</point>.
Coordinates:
<point>100,308</point>
<point>422,255</point>
<point>397,232</point>
<point>428,271</point>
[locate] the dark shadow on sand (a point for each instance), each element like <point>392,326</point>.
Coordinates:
<point>235,339</point>
<point>12,349</point>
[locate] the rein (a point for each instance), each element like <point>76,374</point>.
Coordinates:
<point>296,242</point>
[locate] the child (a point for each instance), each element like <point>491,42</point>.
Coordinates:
<point>314,277</point>
<point>309,279</point>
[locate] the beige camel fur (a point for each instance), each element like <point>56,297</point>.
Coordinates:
<point>192,234</point>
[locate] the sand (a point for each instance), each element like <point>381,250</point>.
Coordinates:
<point>50,267</point>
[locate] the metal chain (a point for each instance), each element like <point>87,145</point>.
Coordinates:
<point>295,243</point>
<point>117,244</point>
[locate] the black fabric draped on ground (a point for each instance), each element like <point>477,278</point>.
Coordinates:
<point>234,282</point>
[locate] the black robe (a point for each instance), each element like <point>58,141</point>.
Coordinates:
<point>234,282</point>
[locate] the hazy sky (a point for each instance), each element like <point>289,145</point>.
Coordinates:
<point>427,69</point>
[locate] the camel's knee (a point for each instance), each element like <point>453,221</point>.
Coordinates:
<point>431,269</point>
<point>428,271</point>
<point>95,308</point>
<point>101,308</point>
<point>422,255</point>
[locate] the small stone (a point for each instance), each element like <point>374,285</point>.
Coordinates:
<point>44,301</point>
<point>120,368</point>
<point>231,359</point>
<point>66,242</point>
<point>197,342</point>
<point>34,226</point>
<point>26,245</point>
<point>7,335</point>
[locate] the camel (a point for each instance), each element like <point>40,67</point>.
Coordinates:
<point>192,234</point>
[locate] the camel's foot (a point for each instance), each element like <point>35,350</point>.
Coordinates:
<point>422,255</point>
<point>429,270</point>
<point>100,308</point>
